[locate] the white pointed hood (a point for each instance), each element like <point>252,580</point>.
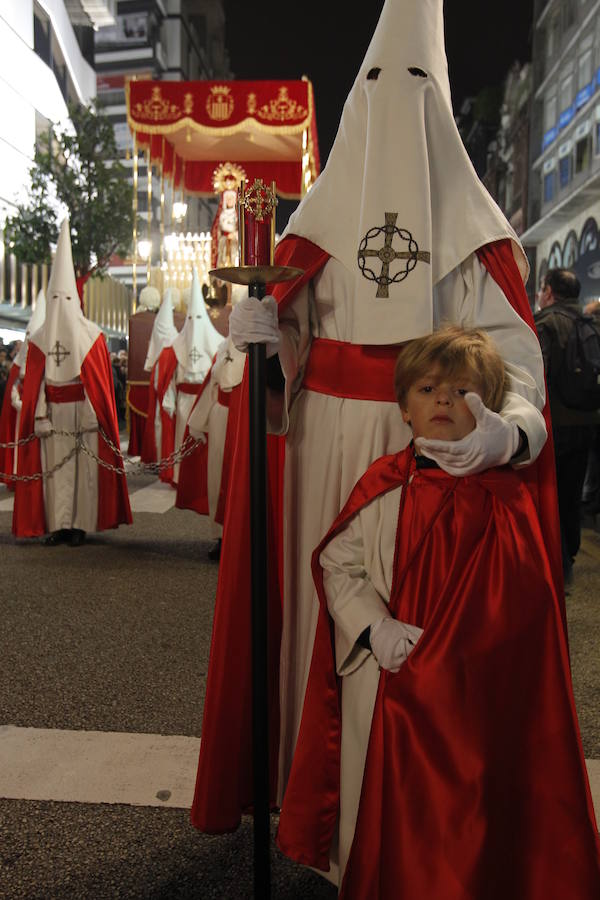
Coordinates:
<point>197,342</point>
<point>66,336</point>
<point>398,180</point>
<point>164,331</point>
<point>36,321</point>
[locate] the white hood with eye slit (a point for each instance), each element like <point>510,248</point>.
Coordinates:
<point>399,181</point>
<point>66,336</point>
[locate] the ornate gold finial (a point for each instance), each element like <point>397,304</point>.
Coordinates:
<point>260,200</point>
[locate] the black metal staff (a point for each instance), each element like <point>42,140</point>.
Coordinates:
<point>257,242</point>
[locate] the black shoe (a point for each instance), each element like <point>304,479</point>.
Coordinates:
<point>57,537</point>
<point>77,537</point>
<point>215,551</point>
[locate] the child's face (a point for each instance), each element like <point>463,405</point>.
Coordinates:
<point>435,406</point>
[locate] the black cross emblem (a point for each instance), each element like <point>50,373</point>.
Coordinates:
<point>387,254</point>
<point>194,355</point>
<point>59,353</point>
<point>228,357</point>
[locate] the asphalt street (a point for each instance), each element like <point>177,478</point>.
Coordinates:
<point>113,637</point>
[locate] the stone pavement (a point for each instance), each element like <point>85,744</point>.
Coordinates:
<point>102,678</point>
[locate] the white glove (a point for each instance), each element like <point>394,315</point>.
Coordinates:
<point>492,442</point>
<point>198,435</point>
<point>17,404</point>
<point>392,641</point>
<point>254,321</point>
<point>42,427</point>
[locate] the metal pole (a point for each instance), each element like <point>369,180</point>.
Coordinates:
<point>258,547</point>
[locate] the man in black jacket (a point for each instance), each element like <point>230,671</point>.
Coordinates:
<point>572,429</point>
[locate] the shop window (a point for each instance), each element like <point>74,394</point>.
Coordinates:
<point>583,154</point>
<point>549,186</point>
<point>565,170</point>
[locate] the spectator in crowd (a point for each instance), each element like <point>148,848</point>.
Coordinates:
<point>119,387</point>
<point>573,429</point>
<point>590,496</point>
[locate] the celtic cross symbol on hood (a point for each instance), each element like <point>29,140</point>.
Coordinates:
<point>387,254</point>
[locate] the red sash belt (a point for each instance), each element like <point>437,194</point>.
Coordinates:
<point>224,397</point>
<point>356,371</point>
<point>65,393</point>
<point>189,387</point>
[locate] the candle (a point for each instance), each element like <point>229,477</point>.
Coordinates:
<point>257,245</point>
<point>257,220</point>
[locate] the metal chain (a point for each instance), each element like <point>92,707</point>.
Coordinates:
<point>12,444</point>
<point>187,447</point>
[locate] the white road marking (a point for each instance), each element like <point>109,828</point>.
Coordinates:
<point>115,767</point>
<point>157,497</point>
<point>97,767</point>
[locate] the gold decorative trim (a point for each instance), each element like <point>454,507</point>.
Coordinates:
<point>281,108</point>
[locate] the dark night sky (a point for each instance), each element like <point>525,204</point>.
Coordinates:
<point>327,39</point>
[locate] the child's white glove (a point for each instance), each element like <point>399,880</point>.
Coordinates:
<point>392,641</point>
<point>492,442</point>
<point>42,427</point>
<point>254,321</point>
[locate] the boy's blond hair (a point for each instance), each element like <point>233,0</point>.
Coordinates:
<point>455,351</point>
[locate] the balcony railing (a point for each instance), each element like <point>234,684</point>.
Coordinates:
<point>107,302</point>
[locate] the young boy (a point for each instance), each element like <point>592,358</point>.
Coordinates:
<point>445,761</point>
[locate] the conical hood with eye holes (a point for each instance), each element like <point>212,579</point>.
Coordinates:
<point>164,331</point>
<point>198,340</point>
<point>66,336</point>
<point>399,203</point>
<point>36,321</point>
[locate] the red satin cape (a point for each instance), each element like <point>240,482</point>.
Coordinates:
<point>8,425</point>
<point>192,486</point>
<point>166,365</point>
<point>475,783</point>
<point>224,777</point>
<point>29,518</point>
<point>224,780</point>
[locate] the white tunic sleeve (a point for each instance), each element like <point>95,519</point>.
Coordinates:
<point>170,398</point>
<point>469,296</point>
<point>198,420</point>
<point>294,345</point>
<point>41,407</point>
<point>357,574</point>
<point>15,399</point>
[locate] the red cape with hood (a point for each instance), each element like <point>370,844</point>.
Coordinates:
<point>224,779</point>
<point>29,517</point>
<point>8,424</point>
<point>192,486</point>
<point>166,364</point>
<point>475,783</point>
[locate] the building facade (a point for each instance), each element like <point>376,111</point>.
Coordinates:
<point>564,183</point>
<point>46,61</point>
<point>507,167</point>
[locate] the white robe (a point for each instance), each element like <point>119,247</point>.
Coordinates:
<point>316,484</point>
<point>358,571</point>
<point>17,405</point>
<point>210,417</point>
<point>71,493</point>
<point>181,404</point>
